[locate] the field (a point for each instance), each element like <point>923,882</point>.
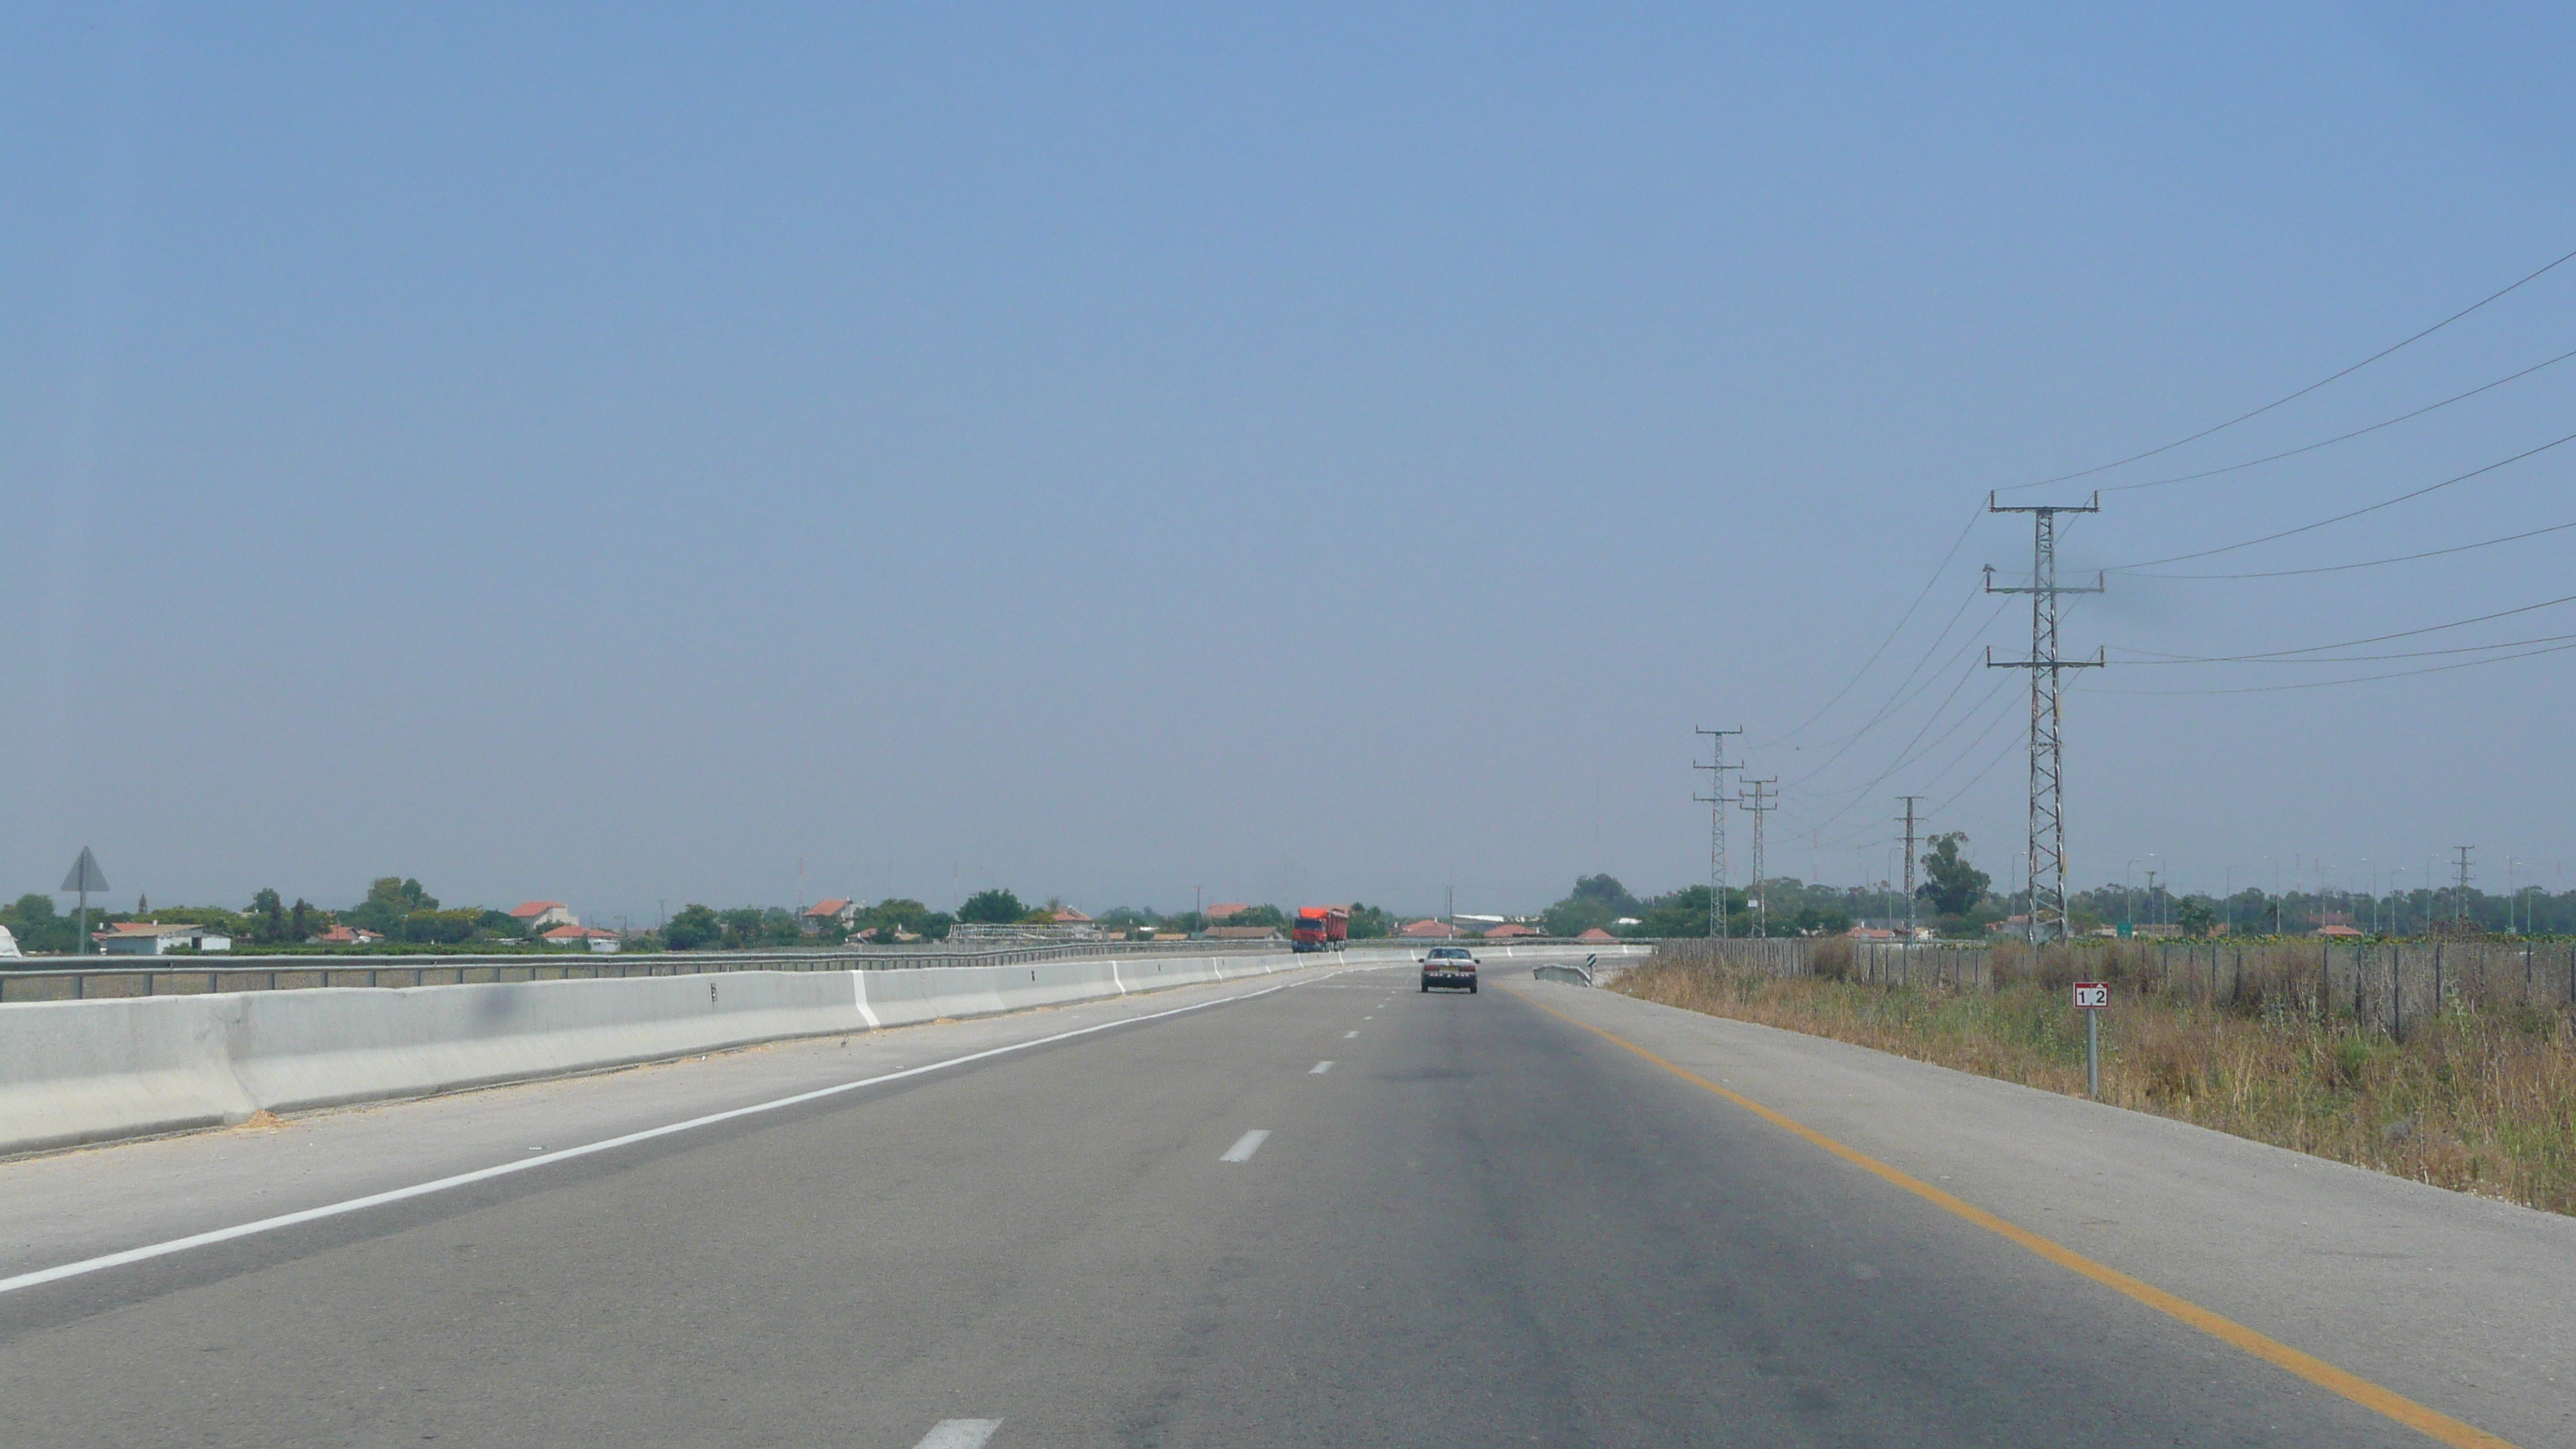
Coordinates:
<point>2477,1094</point>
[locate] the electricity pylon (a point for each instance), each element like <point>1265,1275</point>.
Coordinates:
<point>1760,805</point>
<point>2047,718</point>
<point>1717,800</point>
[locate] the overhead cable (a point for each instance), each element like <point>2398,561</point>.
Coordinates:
<point>2368,563</point>
<point>2358,679</point>
<point>1902,620</point>
<point>2409,633</point>
<point>2311,387</point>
<point>2342,517</point>
<point>2341,437</point>
<point>2156,659</point>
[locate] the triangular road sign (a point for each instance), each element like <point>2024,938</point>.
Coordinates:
<point>86,877</point>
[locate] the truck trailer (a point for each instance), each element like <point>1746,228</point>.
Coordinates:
<point>1321,928</point>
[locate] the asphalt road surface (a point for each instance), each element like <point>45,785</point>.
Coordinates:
<point>1333,1212</point>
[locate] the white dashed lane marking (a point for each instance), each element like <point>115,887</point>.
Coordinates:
<point>1242,1150</point>
<point>1346,1036</point>
<point>959,1434</point>
<point>1319,1068</point>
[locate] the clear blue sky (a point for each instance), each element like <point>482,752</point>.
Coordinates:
<point>1303,452</point>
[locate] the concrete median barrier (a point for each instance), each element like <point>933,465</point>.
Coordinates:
<point>77,1072</point>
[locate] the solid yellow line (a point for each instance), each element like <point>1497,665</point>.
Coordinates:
<point>2315,1370</point>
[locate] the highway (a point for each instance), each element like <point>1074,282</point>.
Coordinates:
<point>1324,1209</point>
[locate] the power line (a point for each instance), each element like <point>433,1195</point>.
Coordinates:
<point>2408,633</point>
<point>2357,679</point>
<point>2341,517</point>
<point>2302,392</point>
<point>1860,792</point>
<point>1899,700</point>
<point>1975,778</point>
<point>2342,437</point>
<point>2365,563</point>
<point>2156,659</point>
<point>1902,620</point>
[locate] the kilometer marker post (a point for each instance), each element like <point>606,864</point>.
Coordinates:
<point>2093,998</point>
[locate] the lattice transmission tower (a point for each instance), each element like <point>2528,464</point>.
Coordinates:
<point>1760,805</point>
<point>1717,800</point>
<point>2047,718</point>
<point>1910,823</point>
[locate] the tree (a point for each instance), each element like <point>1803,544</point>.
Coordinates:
<point>1258,916</point>
<point>695,928</point>
<point>2195,916</point>
<point>1682,913</point>
<point>1368,923</point>
<point>994,907</point>
<point>391,900</point>
<point>268,916</point>
<point>1598,900</point>
<point>37,925</point>
<point>1955,886</point>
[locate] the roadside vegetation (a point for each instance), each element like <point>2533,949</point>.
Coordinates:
<point>2478,1095</point>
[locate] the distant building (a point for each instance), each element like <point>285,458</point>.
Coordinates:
<point>346,936</point>
<point>836,911</point>
<point>1070,917</point>
<point>2341,933</point>
<point>1511,929</point>
<point>1595,936</point>
<point>1226,911</point>
<point>1426,930</point>
<point>1241,933</point>
<point>590,936</point>
<point>537,915</point>
<point>151,938</point>
<point>1870,933</point>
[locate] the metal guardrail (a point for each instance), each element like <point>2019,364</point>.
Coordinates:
<point>219,974</point>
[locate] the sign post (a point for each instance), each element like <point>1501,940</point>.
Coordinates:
<point>84,878</point>
<point>2093,998</point>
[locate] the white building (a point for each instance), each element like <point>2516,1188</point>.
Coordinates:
<point>152,938</point>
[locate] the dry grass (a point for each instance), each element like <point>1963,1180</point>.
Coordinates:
<point>2478,1098</point>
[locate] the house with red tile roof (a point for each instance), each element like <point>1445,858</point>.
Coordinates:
<point>537,915</point>
<point>836,911</point>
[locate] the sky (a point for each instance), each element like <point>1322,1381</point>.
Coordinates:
<point>1135,454</point>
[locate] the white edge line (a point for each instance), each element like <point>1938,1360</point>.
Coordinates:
<point>485,1174</point>
<point>1246,1145</point>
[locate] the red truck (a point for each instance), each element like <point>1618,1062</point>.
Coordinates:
<point>1321,928</point>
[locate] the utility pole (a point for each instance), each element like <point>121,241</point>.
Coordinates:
<point>1716,800</point>
<point>2047,741</point>
<point>2460,896</point>
<point>1910,823</point>
<point>1761,805</point>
